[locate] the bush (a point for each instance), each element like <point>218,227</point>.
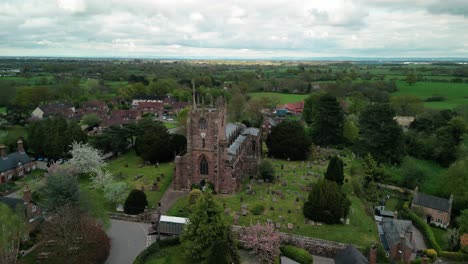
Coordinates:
<point>431,253</point>
<point>435,98</point>
<point>136,202</point>
<point>423,227</point>
<point>297,254</point>
<point>193,196</point>
<point>257,209</point>
<point>267,171</point>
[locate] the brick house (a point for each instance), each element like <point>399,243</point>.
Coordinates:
<point>436,210</point>
<point>32,211</point>
<point>15,164</point>
<point>292,108</point>
<point>65,110</point>
<point>156,108</point>
<point>220,153</point>
<point>397,238</point>
<point>99,108</point>
<point>267,124</point>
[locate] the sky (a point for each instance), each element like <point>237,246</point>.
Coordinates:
<point>245,29</point>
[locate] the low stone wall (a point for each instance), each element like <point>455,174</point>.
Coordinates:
<point>127,217</point>
<point>394,188</point>
<point>314,246</point>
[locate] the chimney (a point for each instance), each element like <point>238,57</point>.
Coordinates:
<point>27,196</point>
<point>20,146</point>
<point>395,215</point>
<point>451,199</point>
<point>3,151</point>
<point>373,255</point>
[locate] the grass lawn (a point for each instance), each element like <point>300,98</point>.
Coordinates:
<point>441,237</point>
<point>361,231</point>
<point>129,165</point>
<point>12,133</point>
<point>3,110</point>
<point>170,125</point>
<point>284,98</point>
<point>455,93</point>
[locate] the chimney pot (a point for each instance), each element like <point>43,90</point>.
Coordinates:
<point>20,146</point>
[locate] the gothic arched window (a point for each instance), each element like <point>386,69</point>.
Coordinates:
<point>203,166</point>
<point>202,123</point>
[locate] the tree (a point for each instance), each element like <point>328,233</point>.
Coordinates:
<point>448,138</point>
<point>288,140</point>
<point>454,181</point>
<point>372,171</point>
<point>12,233</point>
<point>267,171</point>
<point>236,107</point>
<point>85,159</point>
<point>326,203</point>
<point>335,170</point>
<point>116,192</point>
<point>411,77</point>
<point>350,130</point>
<point>462,221</point>
<point>61,188</point>
<point>206,228</point>
<point>193,197</point>
<point>101,178</point>
<point>254,112</point>
<point>77,238</point>
<point>407,105</point>
<point>31,97</point>
<point>380,135</point>
<point>358,103</point>
<point>310,107</point>
<point>152,144</point>
<point>114,139</point>
<point>136,202</point>
<point>263,241</point>
<point>327,122</point>
<point>91,120</point>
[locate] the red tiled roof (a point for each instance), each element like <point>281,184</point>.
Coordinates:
<point>130,114</point>
<point>296,107</point>
<point>94,104</point>
<point>146,105</point>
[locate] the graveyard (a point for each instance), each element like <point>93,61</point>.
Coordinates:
<point>280,203</point>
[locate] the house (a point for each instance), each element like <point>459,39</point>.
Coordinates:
<point>156,108</point>
<point>95,105</point>
<point>397,238</point>
<point>65,110</point>
<point>292,108</point>
<point>32,211</point>
<point>267,124</point>
<point>436,210</point>
<point>98,108</point>
<point>15,164</point>
<point>350,255</point>
<point>404,121</point>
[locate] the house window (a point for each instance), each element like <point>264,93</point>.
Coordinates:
<point>203,166</point>
<point>34,208</point>
<point>202,123</point>
<point>203,142</point>
<point>254,146</point>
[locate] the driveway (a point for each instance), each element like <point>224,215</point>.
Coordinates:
<point>418,240</point>
<point>128,239</point>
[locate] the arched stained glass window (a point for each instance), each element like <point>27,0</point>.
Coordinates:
<point>202,123</point>
<point>203,166</point>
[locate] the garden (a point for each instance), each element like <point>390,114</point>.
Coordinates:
<point>281,204</point>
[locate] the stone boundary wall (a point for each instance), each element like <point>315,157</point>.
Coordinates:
<point>127,217</point>
<point>314,246</point>
<point>394,188</point>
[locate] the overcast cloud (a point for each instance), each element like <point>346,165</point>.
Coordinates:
<point>236,29</point>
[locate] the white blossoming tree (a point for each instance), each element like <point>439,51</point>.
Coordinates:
<point>101,178</point>
<point>86,159</point>
<point>116,192</point>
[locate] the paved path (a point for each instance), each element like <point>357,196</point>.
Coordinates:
<point>128,239</point>
<point>418,240</point>
<point>170,197</point>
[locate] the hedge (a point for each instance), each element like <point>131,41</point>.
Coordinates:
<point>155,247</point>
<point>297,254</point>
<point>424,228</point>
<point>459,256</point>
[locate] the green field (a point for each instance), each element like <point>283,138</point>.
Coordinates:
<point>455,93</point>
<point>361,230</point>
<point>11,134</point>
<point>284,98</point>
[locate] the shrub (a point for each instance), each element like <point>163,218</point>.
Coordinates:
<point>459,256</point>
<point>155,248</point>
<point>431,253</point>
<point>263,241</point>
<point>257,209</point>
<point>136,202</point>
<point>267,171</point>
<point>297,254</point>
<point>193,196</point>
<point>435,98</point>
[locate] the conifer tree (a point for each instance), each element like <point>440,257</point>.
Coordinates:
<point>335,170</point>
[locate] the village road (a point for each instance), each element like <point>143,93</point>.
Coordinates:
<point>128,239</point>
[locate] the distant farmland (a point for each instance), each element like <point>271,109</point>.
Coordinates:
<point>455,94</point>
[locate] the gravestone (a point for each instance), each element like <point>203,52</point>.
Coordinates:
<point>269,221</point>
<point>290,226</point>
<point>236,219</point>
<point>272,208</point>
<point>278,225</point>
<point>226,211</point>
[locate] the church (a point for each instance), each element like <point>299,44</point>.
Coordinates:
<point>218,153</point>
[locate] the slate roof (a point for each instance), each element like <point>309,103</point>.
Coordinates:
<point>12,160</point>
<point>430,201</point>
<point>394,228</point>
<point>236,145</point>
<point>251,131</point>
<point>232,127</point>
<point>350,255</point>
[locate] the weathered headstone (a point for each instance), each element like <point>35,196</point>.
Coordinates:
<point>290,226</point>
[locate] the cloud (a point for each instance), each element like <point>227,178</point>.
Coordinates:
<point>246,28</point>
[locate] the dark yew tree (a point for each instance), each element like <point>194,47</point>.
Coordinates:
<point>335,171</point>
<point>327,122</point>
<point>288,140</point>
<point>136,202</point>
<point>326,203</point>
<point>380,134</point>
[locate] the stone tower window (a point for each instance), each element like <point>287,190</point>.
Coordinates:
<point>202,123</point>
<point>203,166</point>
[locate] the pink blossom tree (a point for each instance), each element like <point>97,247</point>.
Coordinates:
<point>263,241</point>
